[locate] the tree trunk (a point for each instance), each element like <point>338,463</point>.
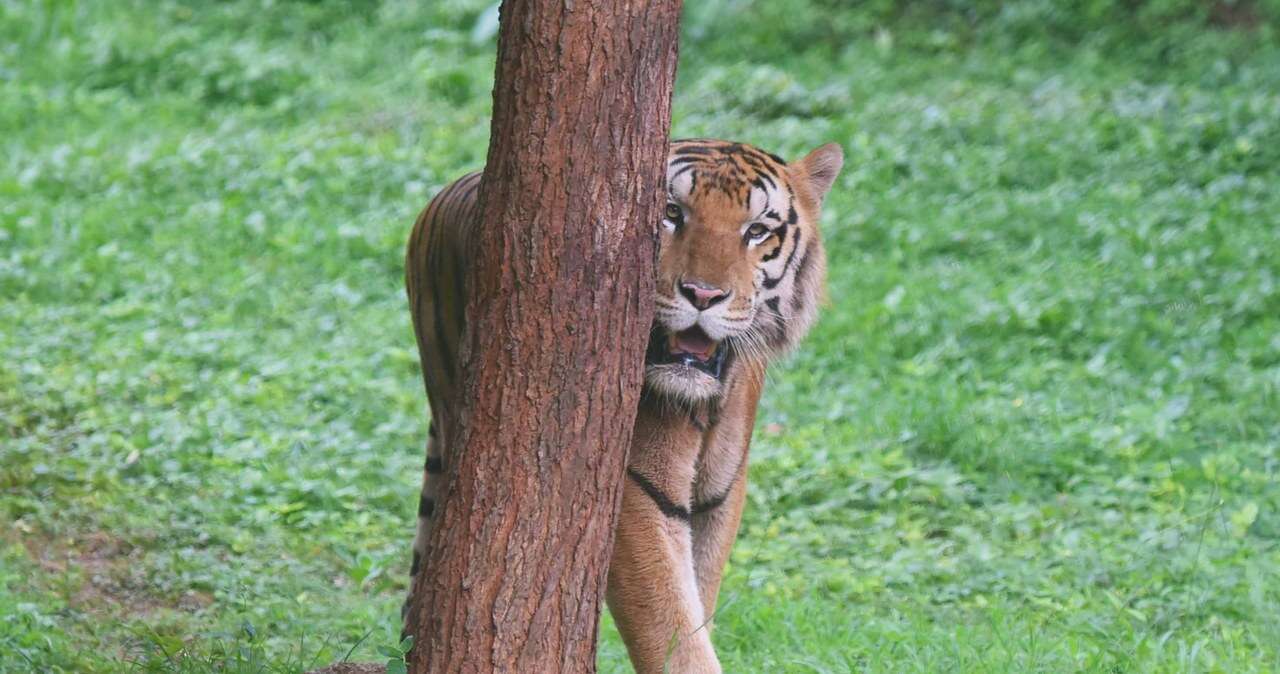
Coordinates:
<point>560,305</point>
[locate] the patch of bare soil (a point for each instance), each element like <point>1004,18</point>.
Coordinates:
<point>1235,14</point>
<point>112,578</point>
<point>352,668</point>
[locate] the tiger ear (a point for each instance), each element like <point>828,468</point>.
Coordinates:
<point>822,166</point>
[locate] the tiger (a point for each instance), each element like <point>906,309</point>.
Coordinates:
<point>740,276</point>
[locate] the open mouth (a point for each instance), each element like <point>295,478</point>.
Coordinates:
<point>690,347</point>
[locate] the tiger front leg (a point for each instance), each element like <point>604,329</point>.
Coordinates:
<point>720,488</point>
<point>653,590</point>
<point>715,526</point>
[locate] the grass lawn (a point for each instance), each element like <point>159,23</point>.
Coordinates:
<point>1037,429</point>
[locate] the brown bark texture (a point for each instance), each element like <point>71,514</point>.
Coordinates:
<point>558,315</point>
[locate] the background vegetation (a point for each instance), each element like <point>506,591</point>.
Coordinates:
<point>1036,430</point>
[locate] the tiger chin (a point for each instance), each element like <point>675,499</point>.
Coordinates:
<point>740,276</point>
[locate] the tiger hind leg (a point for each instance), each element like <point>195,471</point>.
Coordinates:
<point>432,476</point>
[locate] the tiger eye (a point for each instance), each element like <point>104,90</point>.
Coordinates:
<point>757,231</point>
<point>674,213</point>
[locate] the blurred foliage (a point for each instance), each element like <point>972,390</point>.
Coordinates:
<point>1035,430</point>
<point>1152,30</point>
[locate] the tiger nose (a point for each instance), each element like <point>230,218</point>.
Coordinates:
<point>701,295</point>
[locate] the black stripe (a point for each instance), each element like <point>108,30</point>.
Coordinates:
<point>471,189</point>
<point>802,270</point>
<point>442,341</point>
<point>435,465</point>
<point>472,216</point>
<point>432,255</point>
<point>693,149</point>
<point>455,206</point>
<point>770,283</point>
<point>431,430</point>
<point>762,170</point>
<point>461,219</point>
<point>444,216</point>
<point>712,504</point>
<point>417,564</point>
<point>460,272</point>
<point>781,232</point>
<point>679,173</point>
<point>666,505</point>
<point>425,507</point>
<point>717,501</point>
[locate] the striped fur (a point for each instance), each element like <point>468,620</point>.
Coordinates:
<point>739,279</point>
<point>434,276</point>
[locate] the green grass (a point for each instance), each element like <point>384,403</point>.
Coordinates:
<point>1038,428</point>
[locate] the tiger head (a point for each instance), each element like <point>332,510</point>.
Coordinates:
<point>740,265</point>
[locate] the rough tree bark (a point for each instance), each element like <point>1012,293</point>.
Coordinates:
<point>561,293</point>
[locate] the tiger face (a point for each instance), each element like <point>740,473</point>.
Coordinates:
<point>740,266</point>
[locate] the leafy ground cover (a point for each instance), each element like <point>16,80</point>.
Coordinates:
<point>1037,429</point>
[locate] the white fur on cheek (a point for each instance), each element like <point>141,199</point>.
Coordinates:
<point>675,313</point>
<point>721,327</point>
